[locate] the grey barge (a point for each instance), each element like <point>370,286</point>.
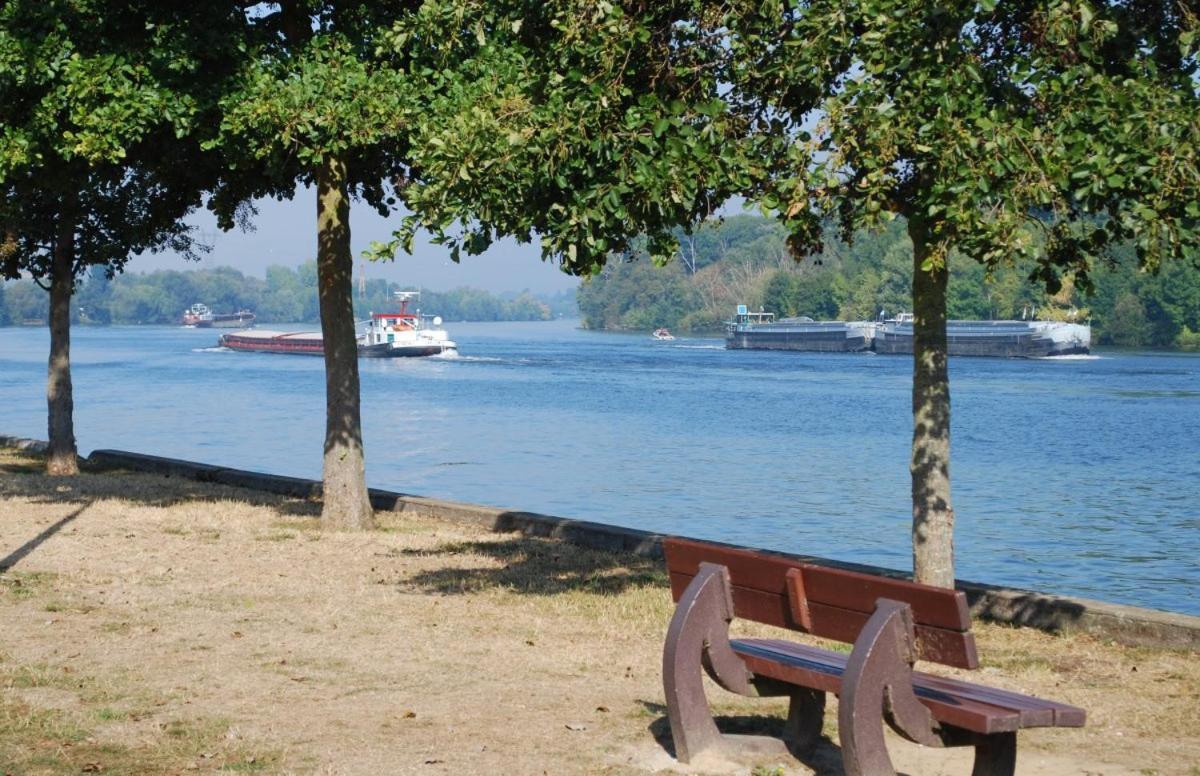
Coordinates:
<point>997,339</point>
<point>760,331</point>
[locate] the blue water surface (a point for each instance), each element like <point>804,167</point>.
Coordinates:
<point>1077,476</point>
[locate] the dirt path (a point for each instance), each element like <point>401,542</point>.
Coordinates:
<point>155,625</point>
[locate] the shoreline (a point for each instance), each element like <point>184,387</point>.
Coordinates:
<point>1131,625</point>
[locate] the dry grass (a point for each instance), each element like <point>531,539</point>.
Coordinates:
<point>156,625</point>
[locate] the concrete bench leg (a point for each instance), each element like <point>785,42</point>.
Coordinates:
<point>878,678</point>
<point>995,755</point>
<point>806,716</point>
<point>699,637</point>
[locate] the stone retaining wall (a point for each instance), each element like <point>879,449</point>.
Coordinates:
<point>1125,624</point>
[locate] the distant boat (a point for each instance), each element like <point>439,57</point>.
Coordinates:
<point>402,334</point>
<point>1004,339</point>
<point>663,334</point>
<point>196,313</point>
<point>201,317</point>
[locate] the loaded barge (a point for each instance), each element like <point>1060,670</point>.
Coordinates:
<point>1002,339</point>
<point>760,331</point>
<point>400,334</point>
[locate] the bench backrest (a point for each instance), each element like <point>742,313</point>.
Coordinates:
<point>829,603</point>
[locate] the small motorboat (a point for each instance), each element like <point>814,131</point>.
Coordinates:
<point>663,334</point>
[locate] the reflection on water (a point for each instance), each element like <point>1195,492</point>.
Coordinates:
<point>1157,394</point>
<point>1076,476</point>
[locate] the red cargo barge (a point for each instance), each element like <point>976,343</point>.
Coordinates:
<point>261,341</point>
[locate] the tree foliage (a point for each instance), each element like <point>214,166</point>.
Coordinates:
<point>104,106</point>
<point>1045,131</point>
<point>579,124</point>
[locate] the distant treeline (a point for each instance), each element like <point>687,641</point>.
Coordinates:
<point>744,260</point>
<point>285,296</point>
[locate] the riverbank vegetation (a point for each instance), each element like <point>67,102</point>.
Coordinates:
<point>744,259</point>
<point>147,618</point>
<point>285,295</point>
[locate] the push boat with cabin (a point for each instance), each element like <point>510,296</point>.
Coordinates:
<point>402,334</point>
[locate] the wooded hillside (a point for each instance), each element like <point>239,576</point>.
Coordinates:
<point>745,260</point>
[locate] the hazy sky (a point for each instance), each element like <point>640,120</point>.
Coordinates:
<point>286,234</point>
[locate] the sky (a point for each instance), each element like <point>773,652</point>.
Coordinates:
<point>286,234</point>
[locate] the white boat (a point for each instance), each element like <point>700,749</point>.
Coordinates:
<point>663,334</point>
<point>404,333</point>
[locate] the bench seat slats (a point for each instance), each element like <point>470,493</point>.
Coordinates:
<point>949,647</point>
<point>794,663</point>
<point>832,587</point>
<point>962,704</point>
<point>1035,712</point>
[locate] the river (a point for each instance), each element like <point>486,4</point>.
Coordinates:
<point>1078,476</point>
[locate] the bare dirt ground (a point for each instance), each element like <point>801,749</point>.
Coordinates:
<point>155,625</point>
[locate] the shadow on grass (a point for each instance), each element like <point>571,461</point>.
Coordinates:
<point>14,557</point>
<point>23,476</point>
<point>825,758</point>
<point>535,567</point>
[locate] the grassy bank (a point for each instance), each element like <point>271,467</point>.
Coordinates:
<point>157,625</point>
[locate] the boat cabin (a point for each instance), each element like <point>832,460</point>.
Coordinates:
<point>745,317</point>
<point>402,325</point>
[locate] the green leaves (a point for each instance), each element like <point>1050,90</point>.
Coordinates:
<point>986,120</point>
<point>102,109</point>
<point>580,127</point>
<point>323,99</point>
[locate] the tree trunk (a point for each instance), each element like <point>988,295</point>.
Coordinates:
<point>346,503</point>
<point>933,515</point>
<point>62,458</point>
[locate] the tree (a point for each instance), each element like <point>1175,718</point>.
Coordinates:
<point>1128,327</point>
<point>1043,131</point>
<point>321,103</point>
<point>98,157</point>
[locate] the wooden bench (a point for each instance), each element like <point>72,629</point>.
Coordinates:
<point>891,623</point>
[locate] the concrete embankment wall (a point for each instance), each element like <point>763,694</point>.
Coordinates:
<point>1124,624</point>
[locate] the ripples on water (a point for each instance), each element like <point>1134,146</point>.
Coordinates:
<point>1071,475</point>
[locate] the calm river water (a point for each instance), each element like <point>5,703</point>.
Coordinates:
<point>1078,476</point>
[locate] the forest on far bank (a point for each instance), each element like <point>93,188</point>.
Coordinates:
<point>285,295</point>
<point>744,259</point>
